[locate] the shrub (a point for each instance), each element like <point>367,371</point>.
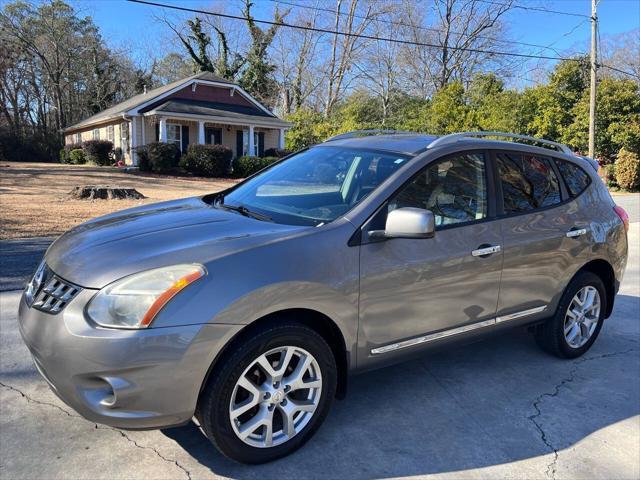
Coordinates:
<point>65,152</point>
<point>627,170</point>
<point>143,159</point>
<point>207,160</point>
<point>610,175</point>
<point>246,166</point>
<point>162,157</point>
<point>77,156</point>
<point>97,151</point>
<point>276,152</point>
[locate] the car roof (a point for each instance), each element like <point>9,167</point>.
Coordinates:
<point>407,143</point>
<point>416,143</point>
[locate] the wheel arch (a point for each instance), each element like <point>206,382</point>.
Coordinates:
<point>604,270</point>
<point>317,321</point>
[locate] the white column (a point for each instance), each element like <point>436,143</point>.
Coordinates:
<point>251,143</point>
<point>281,139</point>
<point>134,140</point>
<point>201,139</point>
<point>163,130</point>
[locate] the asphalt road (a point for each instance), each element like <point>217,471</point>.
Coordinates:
<point>499,408</point>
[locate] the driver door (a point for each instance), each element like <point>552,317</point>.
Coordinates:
<point>445,285</point>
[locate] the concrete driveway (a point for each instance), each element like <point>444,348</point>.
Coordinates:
<point>499,408</point>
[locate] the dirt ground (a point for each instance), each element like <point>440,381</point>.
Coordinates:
<point>34,203</point>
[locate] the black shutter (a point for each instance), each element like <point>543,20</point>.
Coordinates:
<point>217,134</point>
<point>157,132</point>
<point>261,144</point>
<point>185,137</point>
<point>239,143</point>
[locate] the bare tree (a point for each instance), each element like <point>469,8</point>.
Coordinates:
<point>344,48</point>
<point>297,65</point>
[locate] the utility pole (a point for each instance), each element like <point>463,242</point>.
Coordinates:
<point>592,92</point>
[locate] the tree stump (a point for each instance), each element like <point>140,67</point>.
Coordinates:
<point>104,192</point>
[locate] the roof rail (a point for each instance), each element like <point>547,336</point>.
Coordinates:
<point>365,133</point>
<point>455,137</point>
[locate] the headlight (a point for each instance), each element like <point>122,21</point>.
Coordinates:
<point>134,301</point>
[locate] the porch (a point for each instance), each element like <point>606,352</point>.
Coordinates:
<point>252,135</point>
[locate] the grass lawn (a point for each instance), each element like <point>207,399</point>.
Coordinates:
<point>33,196</point>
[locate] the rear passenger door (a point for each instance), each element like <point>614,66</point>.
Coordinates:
<point>542,234</point>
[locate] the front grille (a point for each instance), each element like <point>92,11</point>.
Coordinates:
<point>55,294</point>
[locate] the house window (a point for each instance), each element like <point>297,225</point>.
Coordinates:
<point>110,133</point>
<point>174,134</point>
<point>96,134</point>
<point>78,138</point>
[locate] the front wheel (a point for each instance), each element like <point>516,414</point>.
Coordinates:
<point>578,319</point>
<point>270,395</point>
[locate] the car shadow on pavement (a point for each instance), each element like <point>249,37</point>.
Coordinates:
<point>492,402</point>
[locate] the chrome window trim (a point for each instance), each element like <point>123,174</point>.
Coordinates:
<point>456,331</point>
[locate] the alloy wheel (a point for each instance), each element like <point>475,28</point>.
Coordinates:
<point>275,397</point>
<point>582,316</point>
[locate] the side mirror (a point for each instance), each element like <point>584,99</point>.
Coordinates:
<point>407,223</point>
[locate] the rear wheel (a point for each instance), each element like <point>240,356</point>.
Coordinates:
<point>270,396</point>
<point>578,319</point>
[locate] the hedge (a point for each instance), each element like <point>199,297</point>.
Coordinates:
<point>159,157</point>
<point>207,160</point>
<point>65,152</point>
<point>627,170</point>
<point>98,151</point>
<point>77,156</point>
<point>246,166</point>
<point>276,152</point>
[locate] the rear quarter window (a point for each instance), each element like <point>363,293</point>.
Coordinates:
<point>528,182</point>
<point>575,178</point>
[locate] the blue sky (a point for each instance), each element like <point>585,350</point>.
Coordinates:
<point>128,24</point>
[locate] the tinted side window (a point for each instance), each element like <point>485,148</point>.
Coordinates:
<point>575,178</point>
<point>453,189</point>
<point>528,182</point>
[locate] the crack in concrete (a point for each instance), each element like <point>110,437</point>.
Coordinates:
<point>551,468</point>
<point>98,427</point>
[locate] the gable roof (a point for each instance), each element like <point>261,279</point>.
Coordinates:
<point>143,99</point>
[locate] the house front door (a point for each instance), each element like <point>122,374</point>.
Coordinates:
<point>213,136</point>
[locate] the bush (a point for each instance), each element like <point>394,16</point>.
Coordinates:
<point>161,157</point>
<point>627,170</point>
<point>143,159</point>
<point>98,151</point>
<point>65,152</point>
<point>246,166</point>
<point>276,152</point>
<point>77,156</point>
<point>207,160</point>
<point>610,175</point>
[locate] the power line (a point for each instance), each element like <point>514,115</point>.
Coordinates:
<point>602,65</point>
<point>534,9</point>
<point>402,24</point>
<point>347,34</point>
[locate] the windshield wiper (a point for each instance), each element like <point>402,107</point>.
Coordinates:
<point>241,209</point>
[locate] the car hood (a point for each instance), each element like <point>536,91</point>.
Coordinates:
<point>107,248</point>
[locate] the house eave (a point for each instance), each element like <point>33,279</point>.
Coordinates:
<point>258,121</point>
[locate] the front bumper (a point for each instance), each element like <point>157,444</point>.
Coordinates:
<point>132,379</point>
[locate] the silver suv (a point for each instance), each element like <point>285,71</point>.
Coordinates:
<point>249,308</point>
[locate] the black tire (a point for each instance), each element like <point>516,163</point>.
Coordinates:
<point>550,335</point>
<point>213,408</point>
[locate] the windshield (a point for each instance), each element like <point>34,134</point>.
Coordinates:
<point>315,186</point>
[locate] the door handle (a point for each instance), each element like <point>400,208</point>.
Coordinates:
<point>484,251</point>
<point>576,232</point>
